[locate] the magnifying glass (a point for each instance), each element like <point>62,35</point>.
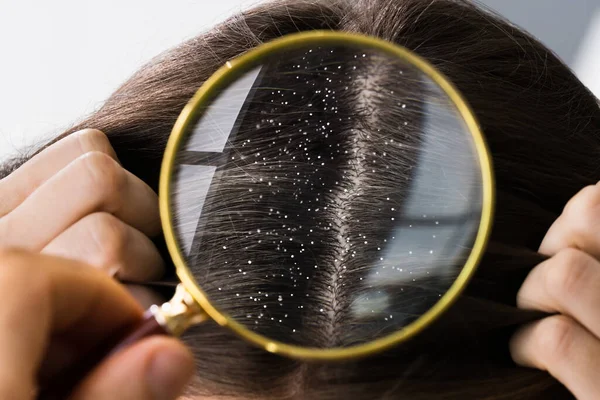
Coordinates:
<point>326,195</point>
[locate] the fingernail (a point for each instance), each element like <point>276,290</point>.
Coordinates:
<point>518,345</point>
<point>169,372</point>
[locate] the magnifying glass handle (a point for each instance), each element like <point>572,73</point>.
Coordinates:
<point>60,388</point>
<point>172,319</point>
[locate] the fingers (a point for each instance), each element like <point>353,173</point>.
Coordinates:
<point>46,296</point>
<point>155,369</point>
<point>565,349</point>
<point>104,241</point>
<point>579,225</point>
<point>74,200</point>
<point>566,345</point>
<point>568,283</point>
<point>15,188</point>
<point>94,182</point>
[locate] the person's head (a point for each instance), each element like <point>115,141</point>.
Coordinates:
<point>543,129</point>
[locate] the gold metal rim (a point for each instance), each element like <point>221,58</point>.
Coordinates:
<point>224,76</point>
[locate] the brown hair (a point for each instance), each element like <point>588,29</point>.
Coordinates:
<point>543,129</point>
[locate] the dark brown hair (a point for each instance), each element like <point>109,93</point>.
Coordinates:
<point>543,129</point>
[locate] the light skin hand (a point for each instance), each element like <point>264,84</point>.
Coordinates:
<point>75,200</point>
<point>47,297</point>
<point>567,345</point>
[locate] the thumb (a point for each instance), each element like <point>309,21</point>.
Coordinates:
<point>157,368</point>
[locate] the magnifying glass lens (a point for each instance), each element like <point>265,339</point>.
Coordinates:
<point>327,196</point>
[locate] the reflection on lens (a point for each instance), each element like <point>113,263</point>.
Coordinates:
<point>328,196</point>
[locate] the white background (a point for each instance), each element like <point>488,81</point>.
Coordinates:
<point>60,59</point>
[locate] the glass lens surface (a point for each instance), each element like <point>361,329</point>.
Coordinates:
<point>326,196</point>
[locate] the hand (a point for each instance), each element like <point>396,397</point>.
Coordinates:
<point>75,200</point>
<point>46,298</point>
<point>567,344</point>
